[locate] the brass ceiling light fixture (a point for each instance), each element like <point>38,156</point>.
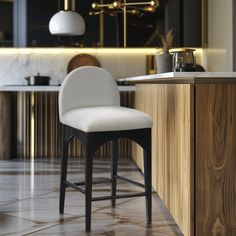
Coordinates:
<point>119,5</point>
<point>124,7</point>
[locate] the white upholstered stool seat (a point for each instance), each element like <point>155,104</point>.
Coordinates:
<point>106,118</point>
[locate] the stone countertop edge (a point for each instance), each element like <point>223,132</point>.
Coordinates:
<point>51,88</point>
<point>184,77</point>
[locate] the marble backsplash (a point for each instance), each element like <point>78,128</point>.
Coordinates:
<point>16,64</point>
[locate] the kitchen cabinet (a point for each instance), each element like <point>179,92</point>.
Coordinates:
<point>39,14</point>
<point>193,154</point>
<point>6,24</point>
<point>183,16</point>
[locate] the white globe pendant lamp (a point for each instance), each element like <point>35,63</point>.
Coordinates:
<point>67,22</point>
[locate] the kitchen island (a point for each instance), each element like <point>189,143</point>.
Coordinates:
<point>29,124</point>
<point>194,147</point>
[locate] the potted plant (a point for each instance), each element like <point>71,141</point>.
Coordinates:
<point>164,60</point>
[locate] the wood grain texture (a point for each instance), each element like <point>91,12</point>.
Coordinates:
<point>5,126</point>
<point>216,160</point>
<point>171,107</point>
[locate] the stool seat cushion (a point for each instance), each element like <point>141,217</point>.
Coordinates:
<point>106,118</point>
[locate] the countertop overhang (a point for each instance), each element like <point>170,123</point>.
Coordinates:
<point>164,78</point>
<point>50,88</point>
<point>185,77</point>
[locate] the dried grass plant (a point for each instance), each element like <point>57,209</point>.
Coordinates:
<point>167,41</point>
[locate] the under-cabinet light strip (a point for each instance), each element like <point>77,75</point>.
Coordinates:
<point>85,50</point>
<point>81,50</point>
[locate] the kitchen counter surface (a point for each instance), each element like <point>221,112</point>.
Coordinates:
<point>184,77</point>
<point>52,88</point>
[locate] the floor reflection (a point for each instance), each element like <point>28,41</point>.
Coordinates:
<point>29,194</point>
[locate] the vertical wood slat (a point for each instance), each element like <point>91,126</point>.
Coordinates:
<point>47,127</point>
<point>20,111</point>
<point>171,107</point>
<point>35,112</point>
<point>25,130</point>
<point>216,160</point>
<point>27,134</point>
<point>25,123</point>
<point>5,125</point>
<point>40,127</point>
<point>36,121</point>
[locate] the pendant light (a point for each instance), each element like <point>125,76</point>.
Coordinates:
<point>67,22</point>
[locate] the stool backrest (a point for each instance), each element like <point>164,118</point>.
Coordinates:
<point>88,86</point>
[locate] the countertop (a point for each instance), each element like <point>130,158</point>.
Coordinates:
<point>172,77</point>
<point>51,88</point>
<point>185,77</point>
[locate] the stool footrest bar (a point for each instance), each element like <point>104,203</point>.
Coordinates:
<point>100,181</point>
<point>130,181</point>
<point>119,196</point>
<point>72,185</point>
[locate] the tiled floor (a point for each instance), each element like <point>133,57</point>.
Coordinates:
<point>29,194</point>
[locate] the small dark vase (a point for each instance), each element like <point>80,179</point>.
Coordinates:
<point>164,62</point>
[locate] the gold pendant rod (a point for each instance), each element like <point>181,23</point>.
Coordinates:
<point>125,24</point>
<point>101,26</point>
<point>69,5</point>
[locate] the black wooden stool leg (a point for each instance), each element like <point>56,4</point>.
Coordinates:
<point>64,160</point>
<point>88,186</point>
<point>148,181</point>
<point>114,154</point>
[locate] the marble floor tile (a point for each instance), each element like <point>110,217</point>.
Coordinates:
<point>29,199</point>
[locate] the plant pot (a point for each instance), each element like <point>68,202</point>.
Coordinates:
<point>164,62</point>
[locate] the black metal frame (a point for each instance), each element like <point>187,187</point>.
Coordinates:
<point>90,142</point>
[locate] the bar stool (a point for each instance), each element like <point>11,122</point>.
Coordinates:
<point>89,109</point>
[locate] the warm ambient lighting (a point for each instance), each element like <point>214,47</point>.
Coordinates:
<point>94,51</point>
<point>67,22</point>
<point>132,51</point>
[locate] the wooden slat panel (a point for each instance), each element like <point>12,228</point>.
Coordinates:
<point>171,107</point>
<point>47,127</point>
<point>216,160</point>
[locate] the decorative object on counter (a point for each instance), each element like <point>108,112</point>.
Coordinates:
<point>200,68</point>
<point>124,7</point>
<point>183,60</point>
<point>82,59</point>
<point>164,60</point>
<point>150,65</point>
<point>38,80</point>
<point>67,22</point>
